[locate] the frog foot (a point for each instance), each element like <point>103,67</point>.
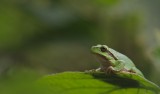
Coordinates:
<point>110,70</point>
<point>93,70</point>
<point>90,71</point>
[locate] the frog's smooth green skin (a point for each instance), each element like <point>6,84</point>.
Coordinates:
<point>112,61</point>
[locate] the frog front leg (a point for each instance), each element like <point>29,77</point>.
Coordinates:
<point>113,69</point>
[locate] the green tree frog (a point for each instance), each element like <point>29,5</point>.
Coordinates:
<point>112,61</point>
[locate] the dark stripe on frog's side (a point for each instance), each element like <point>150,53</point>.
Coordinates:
<point>112,55</point>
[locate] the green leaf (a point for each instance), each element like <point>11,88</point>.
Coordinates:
<point>96,83</point>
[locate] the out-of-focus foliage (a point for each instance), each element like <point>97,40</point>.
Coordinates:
<point>155,56</point>
<point>47,34</point>
<point>52,36</point>
<point>18,81</point>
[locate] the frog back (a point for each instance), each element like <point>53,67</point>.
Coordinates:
<point>128,62</point>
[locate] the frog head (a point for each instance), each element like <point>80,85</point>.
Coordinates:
<point>104,54</point>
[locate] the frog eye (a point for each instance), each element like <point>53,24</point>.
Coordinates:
<point>103,49</point>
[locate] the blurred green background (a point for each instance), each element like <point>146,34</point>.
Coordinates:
<point>41,37</point>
